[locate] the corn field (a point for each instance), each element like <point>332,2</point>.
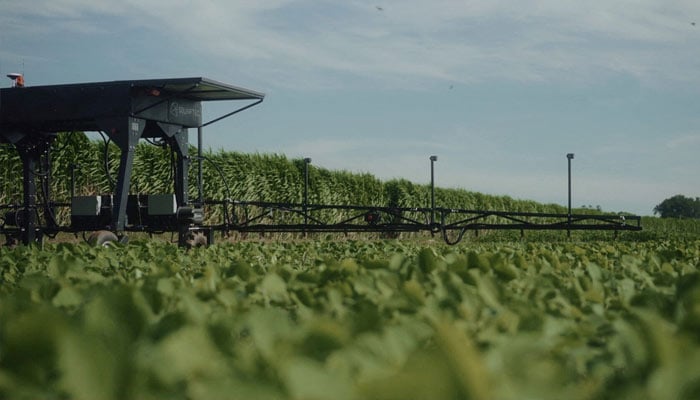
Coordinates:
<point>237,176</point>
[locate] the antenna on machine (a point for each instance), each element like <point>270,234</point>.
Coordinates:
<point>17,79</point>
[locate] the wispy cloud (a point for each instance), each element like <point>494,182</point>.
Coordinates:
<point>684,141</point>
<point>411,40</point>
<point>331,149</point>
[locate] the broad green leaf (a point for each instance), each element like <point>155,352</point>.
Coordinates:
<point>309,380</point>
<point>90,368</point>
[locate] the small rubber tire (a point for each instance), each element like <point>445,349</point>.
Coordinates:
<point>198,240</point>
<point>102,238</point>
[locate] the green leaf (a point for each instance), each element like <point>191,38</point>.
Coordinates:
<point>274,289</point>
<point>90,369</point>
<point>187,355</point>
<point>310,380</point>
<point>67,297</point>
<point>427,261</point>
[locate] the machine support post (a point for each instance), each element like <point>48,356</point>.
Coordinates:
<point>200,183</point>
<point>46,185</point>
<point>28,224</point>
<point>134,129</point>
<point>179,146</point>
<point>30,154</point>
<point>121,192</point>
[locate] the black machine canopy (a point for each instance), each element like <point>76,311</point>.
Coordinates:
<point>87,106</point>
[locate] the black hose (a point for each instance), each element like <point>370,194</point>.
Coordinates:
<point>459,236</point>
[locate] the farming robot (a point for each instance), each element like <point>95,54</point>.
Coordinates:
<point>165,110</point>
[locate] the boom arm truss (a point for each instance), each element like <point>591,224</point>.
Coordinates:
<point>252,216</point>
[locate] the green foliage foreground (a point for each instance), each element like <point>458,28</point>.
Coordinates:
<point>351,320</point>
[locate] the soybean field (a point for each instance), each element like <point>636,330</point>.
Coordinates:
<point>332,319</point>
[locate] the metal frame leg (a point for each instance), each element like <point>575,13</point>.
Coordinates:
<point>125,133</point>
<point>28,222</point>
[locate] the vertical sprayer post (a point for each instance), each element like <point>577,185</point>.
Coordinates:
<point>569,157</point>
<point>432,190</point>
<point>307,161</point>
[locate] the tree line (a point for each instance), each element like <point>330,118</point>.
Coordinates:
<point>679,206</point>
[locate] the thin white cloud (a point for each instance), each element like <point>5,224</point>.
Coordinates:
<point>412,40</point>
<point>61,9</point>
<point>684,142</point>
<point>324,147</point>
<point>371,147</point>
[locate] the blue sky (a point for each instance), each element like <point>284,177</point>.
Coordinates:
<point>500,90</point>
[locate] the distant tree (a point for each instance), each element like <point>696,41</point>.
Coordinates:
<point>679,206</point>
